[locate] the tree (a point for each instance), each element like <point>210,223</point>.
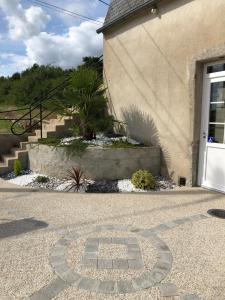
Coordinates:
<point>86,100</point>
<point>94,63</point>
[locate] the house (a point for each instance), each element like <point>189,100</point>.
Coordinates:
<point>164,64</point>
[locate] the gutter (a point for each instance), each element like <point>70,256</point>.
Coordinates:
<point>127,15</point>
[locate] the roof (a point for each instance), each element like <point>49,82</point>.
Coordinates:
<point>122,9</point>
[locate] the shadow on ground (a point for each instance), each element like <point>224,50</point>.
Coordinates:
<point>18,227</point>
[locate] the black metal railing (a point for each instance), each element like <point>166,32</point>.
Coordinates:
<point>38,104</point>
<point>38,108</point>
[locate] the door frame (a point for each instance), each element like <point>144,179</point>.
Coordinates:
<point>207,79</point>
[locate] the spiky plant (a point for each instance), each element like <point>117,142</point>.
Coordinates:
<point>76,176</point>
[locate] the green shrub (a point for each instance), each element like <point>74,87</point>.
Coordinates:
<point>77,147</point>
<point>42,179</point>
<point>17,168</point>
<point>50,141</point>
<point>143,179</point>
<point>122,144</point>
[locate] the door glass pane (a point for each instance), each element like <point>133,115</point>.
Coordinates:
<point>217,92</point>
<point>216,134</point>
<point>217,113</point>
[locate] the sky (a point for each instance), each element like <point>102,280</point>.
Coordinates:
<point>33,34</point>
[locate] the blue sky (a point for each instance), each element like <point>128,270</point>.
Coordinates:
<point>33,34</point>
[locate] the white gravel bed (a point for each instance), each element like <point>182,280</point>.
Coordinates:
<point>28,178</point>
<point>101,140</point>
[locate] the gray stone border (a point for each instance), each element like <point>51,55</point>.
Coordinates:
<point>147,280</point>
<point>132,261</point>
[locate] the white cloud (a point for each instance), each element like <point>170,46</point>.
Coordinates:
<point>15,63</point>
<point>24,23</point>
<point>65,50</point>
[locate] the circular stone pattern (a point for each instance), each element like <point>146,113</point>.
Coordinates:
<point>147,279</point>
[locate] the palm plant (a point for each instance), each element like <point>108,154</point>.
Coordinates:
<point>85,100</point>
<point>76,176</point>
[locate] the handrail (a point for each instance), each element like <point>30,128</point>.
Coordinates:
<point>37,103</point>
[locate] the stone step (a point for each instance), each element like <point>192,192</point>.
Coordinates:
<point>32,139</point>
<point>4,169</point>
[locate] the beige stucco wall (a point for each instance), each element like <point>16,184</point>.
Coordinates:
<point>149,64</point>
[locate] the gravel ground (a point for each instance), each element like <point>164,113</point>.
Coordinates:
<point>199,255</point>
<point>197,249</point>
<point>24,264</point>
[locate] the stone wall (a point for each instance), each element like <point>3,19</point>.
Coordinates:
<point>97,163</point>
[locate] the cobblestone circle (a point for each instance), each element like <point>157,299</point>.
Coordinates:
<point>147,279</point>
<point>66,276</point>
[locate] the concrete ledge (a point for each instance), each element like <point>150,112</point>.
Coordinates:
<point>97,163</point>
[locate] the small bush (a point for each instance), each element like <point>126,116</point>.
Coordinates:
<point>121,144</point>
<point>77,147</point>
<point>51,141</point>
<point>143,179</point>
<point>17,168</point>
<point>42,179</point>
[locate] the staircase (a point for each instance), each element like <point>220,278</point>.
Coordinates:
<point>58,127</point>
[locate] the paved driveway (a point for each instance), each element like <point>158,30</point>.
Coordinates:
<point>111,246</point>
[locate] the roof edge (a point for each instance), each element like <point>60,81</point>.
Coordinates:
<point>126,16</point>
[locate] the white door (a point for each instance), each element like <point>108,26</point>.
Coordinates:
<point>212,140</point>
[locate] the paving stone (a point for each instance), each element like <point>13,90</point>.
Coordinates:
<point>166,257</point>
<point>120,264</point>
<point>88,284</point>
<point>56,261</point>
<point>105,240</point>
<point>133,254</point>
<point>90,255</point>
<point>70,277</point>
<point>91,248</point>
<point>171,224</point>
<point>133,247</point>
<point>92,241</point>
<point>135,229</point>
<point>105,264</point>
<point>197,217</point>
<point>118,240</point>
<point>64,242</point>
<point>73,235</point>
<point>190,297</point>
<point>135,264</point>
<point>168,290</point>
<point>130,240</point>
<point>51,290</point>
<point>163,266</point>
<point>157,275</point>
<point>61,269</point>
<point>161,227</point>
<point>182,221</point>
<point>124,287</point>
<point>144,281</point>
<point>58,251</point>
<point>146,233</point>
<point>107,287</point>
<point>90,263</point>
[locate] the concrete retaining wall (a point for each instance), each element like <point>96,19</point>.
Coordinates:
<point>97,163</point>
